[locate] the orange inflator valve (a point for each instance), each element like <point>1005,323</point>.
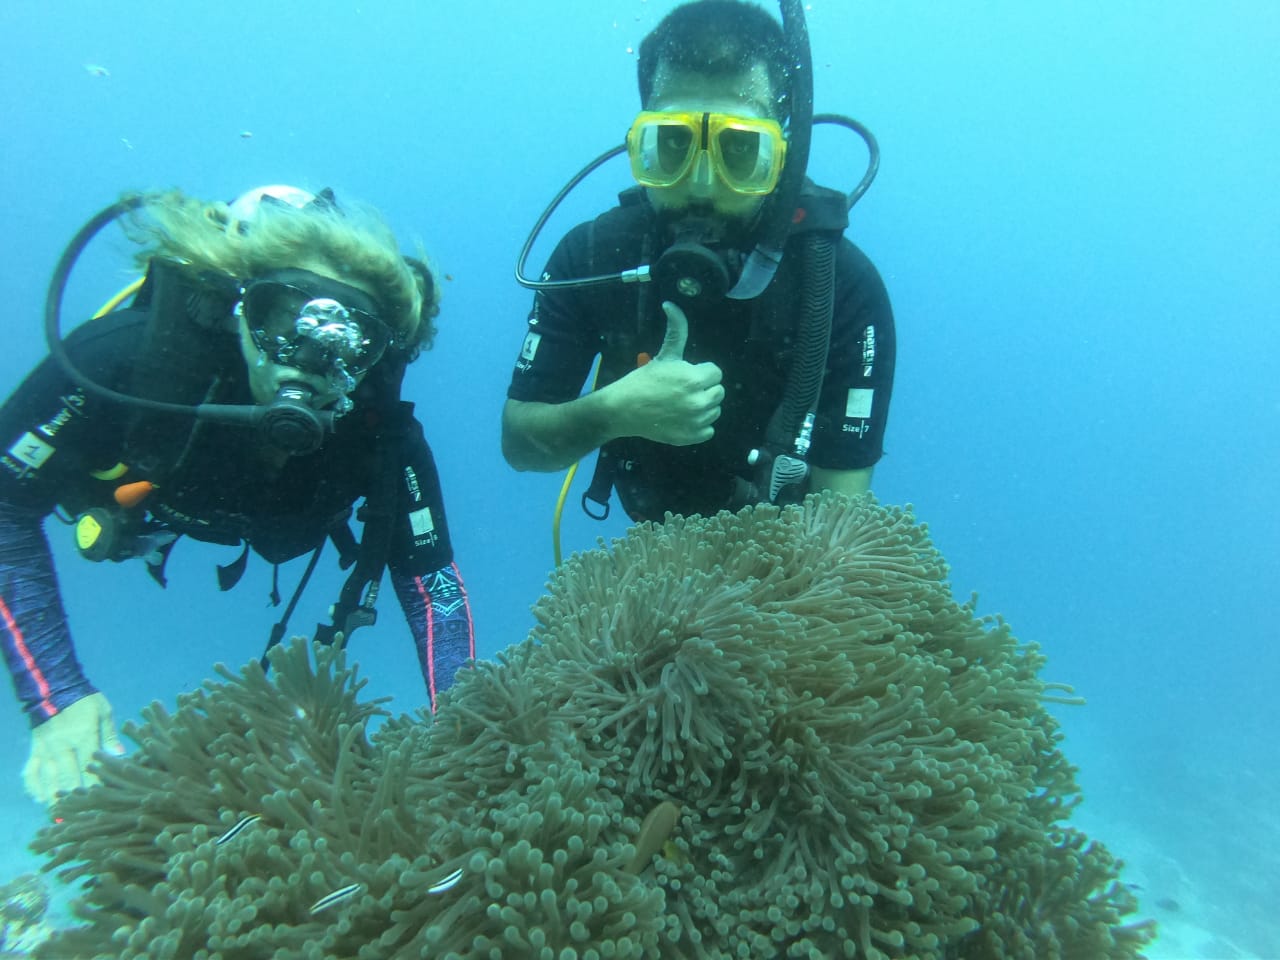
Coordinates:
<point>132,494</point>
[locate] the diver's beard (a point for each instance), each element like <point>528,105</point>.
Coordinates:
<point>701,223</point>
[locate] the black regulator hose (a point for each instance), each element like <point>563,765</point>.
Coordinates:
<point>817,272</point>
<point>288,423</point>
<point>783,435</point>
<point>873,152</point>
<point>639,274</point>
<point>813,338</point>
<point>57,291</point>
<point>763,261</point>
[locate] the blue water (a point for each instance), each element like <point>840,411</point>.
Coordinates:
<point>1078,221</point>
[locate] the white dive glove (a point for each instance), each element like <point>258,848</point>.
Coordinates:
<point>63,745</point>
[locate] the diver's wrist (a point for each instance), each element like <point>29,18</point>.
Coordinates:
<point>607,414</point>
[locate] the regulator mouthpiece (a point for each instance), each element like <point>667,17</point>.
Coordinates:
<point>291,425</point>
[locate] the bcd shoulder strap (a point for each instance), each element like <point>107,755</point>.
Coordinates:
<point>618,361</point>
<point>356,602</point>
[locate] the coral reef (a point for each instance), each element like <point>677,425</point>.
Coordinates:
<point>769,734</point>
<point>24,901</point>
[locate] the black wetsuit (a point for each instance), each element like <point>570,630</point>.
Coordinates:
<point>751,342</point>
<point>60,447</point>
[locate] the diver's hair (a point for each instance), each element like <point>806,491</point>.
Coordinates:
<point>717,37</point>
<point>429,290</point>
<point>353,240</point>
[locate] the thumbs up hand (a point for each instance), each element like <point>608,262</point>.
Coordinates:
<point>669,400</point>
<point>677,334</point>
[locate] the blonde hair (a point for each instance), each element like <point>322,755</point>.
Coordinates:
<point>354,241</point>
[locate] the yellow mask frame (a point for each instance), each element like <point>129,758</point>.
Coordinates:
<point>746,153</point>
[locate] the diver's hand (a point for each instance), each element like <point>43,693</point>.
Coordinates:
<point>669,400</point>
<point>63,745</point>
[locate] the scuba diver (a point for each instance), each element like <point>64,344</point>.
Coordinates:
<point>746,346</point>
<point>248,395</point>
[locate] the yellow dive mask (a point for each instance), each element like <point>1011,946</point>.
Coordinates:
<point>746,153</point>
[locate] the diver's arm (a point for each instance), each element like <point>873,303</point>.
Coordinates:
<point>423,572</point>
<point>53,434</point>
<point>33,625</point>
<point>667,400</point>
<point>853,409</point>
<point>438,611</point>
<point>851,483</point>
<point>70,720</point>
<point>552,436</point>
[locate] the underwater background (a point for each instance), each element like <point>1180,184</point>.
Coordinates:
<point>1078,222</point>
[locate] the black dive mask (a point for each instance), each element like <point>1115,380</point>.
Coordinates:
<point>320,327</point>
<point>315,324</point>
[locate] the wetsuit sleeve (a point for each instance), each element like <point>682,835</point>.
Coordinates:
<point>854,407</point>
<point>38,650</point>
<point>51,436</point>
<point>563,336</point>
<point>438,612</point>
<point>427,582</point>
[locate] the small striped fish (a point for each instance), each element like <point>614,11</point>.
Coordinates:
<point>338,896</point>
<point>448,883</point>
<point>236,830</point>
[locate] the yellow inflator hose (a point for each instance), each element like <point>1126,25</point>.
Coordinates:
<point>568,482</point>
